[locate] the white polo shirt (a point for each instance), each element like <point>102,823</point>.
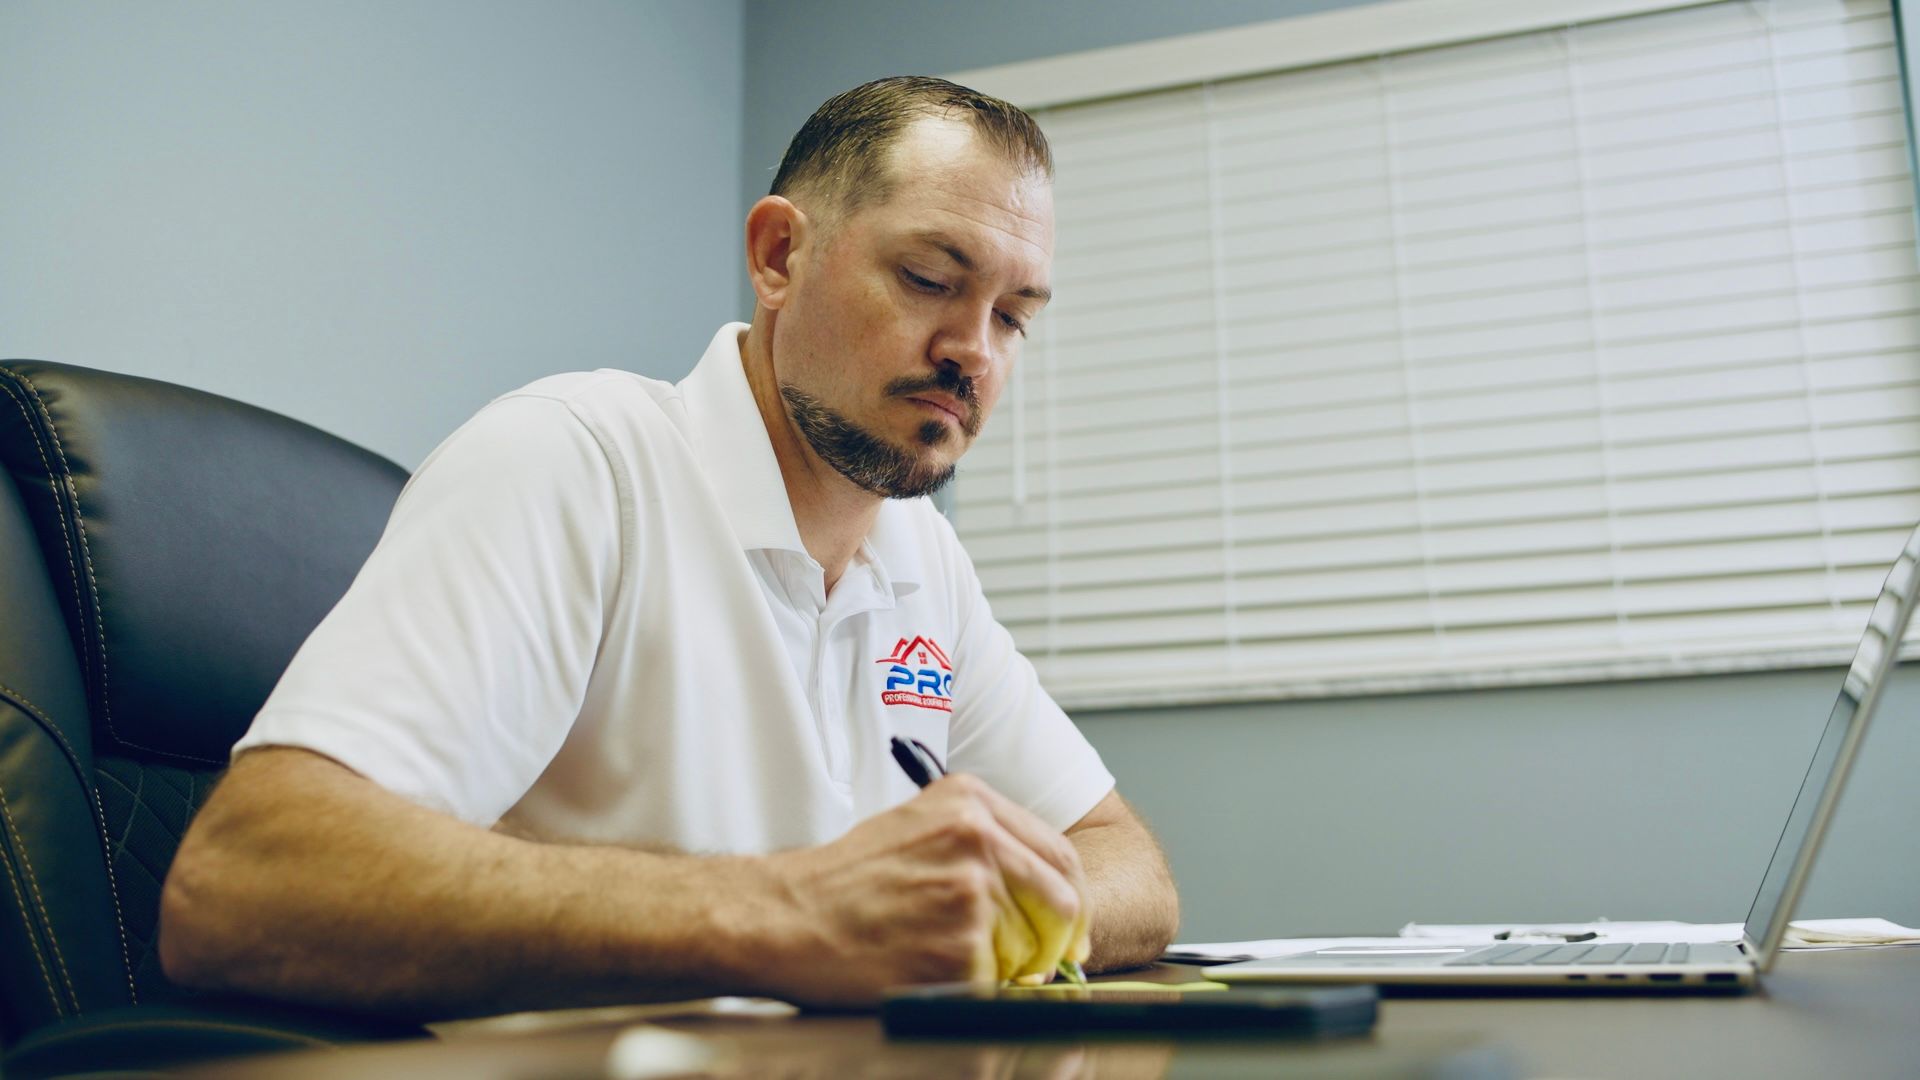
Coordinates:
<point>591,617</point>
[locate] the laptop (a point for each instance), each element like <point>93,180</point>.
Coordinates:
<point>1601,965</point>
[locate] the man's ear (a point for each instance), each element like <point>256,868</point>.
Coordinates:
<point>777,236</point>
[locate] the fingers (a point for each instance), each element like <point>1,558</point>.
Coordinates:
<point>1014,942</point>
<point>1047,843</point>
<point>1036,835</point>
<point>1040,891</point>
<point>1052,931</point>
<point>1035,907</point>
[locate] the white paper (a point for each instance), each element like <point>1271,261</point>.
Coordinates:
<point>1223,952</point>
<point>1679,933</point>
<point>1801,934</point>
<point>1828,933</point>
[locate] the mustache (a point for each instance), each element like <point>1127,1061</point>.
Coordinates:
<point>945,382</point>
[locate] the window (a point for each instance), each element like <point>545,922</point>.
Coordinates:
<point>1580,353</point>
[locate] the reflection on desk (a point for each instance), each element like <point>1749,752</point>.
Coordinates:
<point>852,1048</point>
<point>1831,1014</point>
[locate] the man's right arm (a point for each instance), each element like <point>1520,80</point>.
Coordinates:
<point>302,880</point>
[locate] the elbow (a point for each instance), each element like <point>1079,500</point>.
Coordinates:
<point>1169,915</point>
<point>189,940</point>
<point>1164,922</point>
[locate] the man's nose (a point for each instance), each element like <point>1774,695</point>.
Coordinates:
<point>966,342</point>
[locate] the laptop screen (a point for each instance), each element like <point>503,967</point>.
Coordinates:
<point>1820,790</point>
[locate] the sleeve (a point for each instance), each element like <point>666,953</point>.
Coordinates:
<point>454,666</point>
<point>1006,728</point>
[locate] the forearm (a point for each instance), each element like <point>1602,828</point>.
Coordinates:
<point>1135,908</point>
<point>314,884</point>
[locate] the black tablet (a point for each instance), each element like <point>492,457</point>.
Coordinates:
<point>1291,1011</point>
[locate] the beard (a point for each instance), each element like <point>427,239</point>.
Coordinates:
<point>870,461</point>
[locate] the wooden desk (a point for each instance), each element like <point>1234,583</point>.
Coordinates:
<point>1833,1016</point>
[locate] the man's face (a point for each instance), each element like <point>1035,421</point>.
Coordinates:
<point>904,320</point>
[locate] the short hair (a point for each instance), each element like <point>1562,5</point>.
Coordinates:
<point>840,152</point>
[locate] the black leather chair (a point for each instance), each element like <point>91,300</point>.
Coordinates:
<point>163,552</point>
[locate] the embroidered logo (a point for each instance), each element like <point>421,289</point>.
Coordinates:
<point>920,674</point>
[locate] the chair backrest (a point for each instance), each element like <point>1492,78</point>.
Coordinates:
<point>163,553</point>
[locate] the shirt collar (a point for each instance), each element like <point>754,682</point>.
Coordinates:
<point>892,545</point>
<point>737,458</point>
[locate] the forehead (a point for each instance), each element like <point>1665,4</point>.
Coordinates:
<point>946,179</point>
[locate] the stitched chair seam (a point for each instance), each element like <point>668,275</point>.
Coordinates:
<point>19,701</point>
<point>59,505</point>
<point>64,482</point>
<point>33,939</point>
<point>39,901</point>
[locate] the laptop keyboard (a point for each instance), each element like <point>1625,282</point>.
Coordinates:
<point>1517,955</point>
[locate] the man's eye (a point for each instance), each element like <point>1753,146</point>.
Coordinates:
<point>925,285</point>
<point>1012,323</point>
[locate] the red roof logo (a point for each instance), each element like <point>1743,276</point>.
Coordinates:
<point>917,650</point>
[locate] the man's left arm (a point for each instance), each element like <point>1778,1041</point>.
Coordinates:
<point>1134,907</point>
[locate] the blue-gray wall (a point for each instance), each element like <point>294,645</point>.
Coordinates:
<point>1364,814</point>
<point>1644,800</point>
<point>371,215</point>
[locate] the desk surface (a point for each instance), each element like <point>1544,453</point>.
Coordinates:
<point>1853,1014</point>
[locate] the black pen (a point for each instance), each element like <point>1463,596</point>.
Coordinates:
<point>923,768</point>
<point>917,761</point>
<point>1563,935</point>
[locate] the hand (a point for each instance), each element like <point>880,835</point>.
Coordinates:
<point>958,884</point>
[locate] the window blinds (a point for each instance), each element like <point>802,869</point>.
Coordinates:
<point>1583,353</point>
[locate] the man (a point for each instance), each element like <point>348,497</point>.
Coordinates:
<point>606,716</point>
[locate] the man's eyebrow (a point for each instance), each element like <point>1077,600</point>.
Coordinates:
<point>957,254</point>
